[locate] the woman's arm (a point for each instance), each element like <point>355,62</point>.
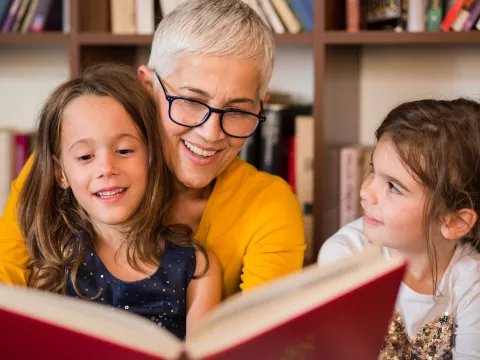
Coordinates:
<point>278,245</point>
<point>14,255</point>
<point>204,293</point>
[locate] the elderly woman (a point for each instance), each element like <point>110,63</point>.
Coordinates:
<point>209,68</point>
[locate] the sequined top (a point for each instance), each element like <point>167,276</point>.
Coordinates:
<point>160,297</point>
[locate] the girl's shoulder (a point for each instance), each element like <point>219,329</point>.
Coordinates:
<point>465,269</point>
<point>346,241</point>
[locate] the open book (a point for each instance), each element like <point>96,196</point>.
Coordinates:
<point>338,311</point>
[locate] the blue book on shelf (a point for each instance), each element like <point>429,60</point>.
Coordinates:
<point>303,12</point>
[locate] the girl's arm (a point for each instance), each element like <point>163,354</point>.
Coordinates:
<point>467,332</point>
<point>205,292</point>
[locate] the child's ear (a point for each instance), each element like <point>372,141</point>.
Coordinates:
<point>459,223</point>
<point>59,173</point>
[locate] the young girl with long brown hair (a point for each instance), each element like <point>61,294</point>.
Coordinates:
<point>92,210</point>
<point>422,201</point>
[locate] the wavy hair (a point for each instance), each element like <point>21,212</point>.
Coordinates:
<point>55,227</point>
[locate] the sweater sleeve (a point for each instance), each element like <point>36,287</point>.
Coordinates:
<point>278,246</point>
<point>14,256</point>
<point>467,332</point>
<point>345,242</point>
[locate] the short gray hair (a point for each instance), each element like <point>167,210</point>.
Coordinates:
<point>228,28</point>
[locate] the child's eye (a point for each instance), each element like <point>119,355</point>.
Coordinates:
<point>393,189</point>
<point>125,151</point>
<point>84,157</point>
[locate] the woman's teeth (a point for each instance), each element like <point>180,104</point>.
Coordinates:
<point>198,151</point>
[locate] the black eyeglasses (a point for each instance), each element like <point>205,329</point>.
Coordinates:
<point>192,113</point>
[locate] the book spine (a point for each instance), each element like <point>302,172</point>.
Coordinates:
<point>144,13</point>
<point>287,16</point>
<point>5,166</point>
<point>353,15</point>
<point>435,15</point>
<point>40,16</point>
<point>349,183</point>
<point>473,17</point>
<point>272,16</point>
<point>27,22</point>
<point>416,16</point>
<point>20,153</point>
<point>123,17</point>
<point>304,174</point>
<point>451,15</point>
<point>11,16</point>
<point>302,13</point>
<point>462,16</point>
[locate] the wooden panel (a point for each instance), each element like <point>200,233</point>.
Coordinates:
<point>334,12</point>
<point>90,55</point>
<point>94,15</point>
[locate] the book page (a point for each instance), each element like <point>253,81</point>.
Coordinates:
<point>295,282</point>
<point>113,325</point>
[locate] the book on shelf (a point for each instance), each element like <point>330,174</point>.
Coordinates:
<point>15,147</point>
<point>412,15</point>
<point>348,166</point>
<point>336,311</point>
<point>24,16</point>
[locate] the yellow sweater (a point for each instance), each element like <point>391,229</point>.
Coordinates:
<point>252,221</point>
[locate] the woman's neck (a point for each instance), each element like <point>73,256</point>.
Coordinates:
<point>187,193</point>
<point>419,276</point>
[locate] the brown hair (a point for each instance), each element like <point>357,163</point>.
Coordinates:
<point>439,143</point>
<point>55,227</point>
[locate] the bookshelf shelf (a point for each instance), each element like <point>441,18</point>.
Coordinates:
<point>303,38</point>
<point>108,39</point>
<point>34,39</point>
<point>394,38</point>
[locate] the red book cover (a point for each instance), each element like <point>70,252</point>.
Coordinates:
<point>449,19</point>
<point>338,311</point>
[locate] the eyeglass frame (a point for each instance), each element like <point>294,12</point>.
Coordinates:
<point>170,98</point>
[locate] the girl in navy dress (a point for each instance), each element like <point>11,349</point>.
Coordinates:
<point>97,230</point>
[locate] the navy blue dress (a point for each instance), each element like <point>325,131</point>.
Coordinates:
<point>160,297</point>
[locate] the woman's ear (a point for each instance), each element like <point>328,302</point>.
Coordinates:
<point>59,173</point>
<point>459,223</point>
<point>145,76</point>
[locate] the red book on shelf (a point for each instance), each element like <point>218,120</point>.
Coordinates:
<point>338,311</point>
<point>449,19</point>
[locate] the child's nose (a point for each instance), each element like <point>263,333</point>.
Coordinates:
<point>367,191</point>
<point>107,165</point>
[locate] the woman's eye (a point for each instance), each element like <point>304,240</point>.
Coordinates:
<point>84,157</point>
<point>393,189</point>
<point>125,151</point>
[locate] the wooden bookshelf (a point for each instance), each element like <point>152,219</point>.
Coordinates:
<point>34,39</point>
<point>393,38</point>
<point>335,53</point>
